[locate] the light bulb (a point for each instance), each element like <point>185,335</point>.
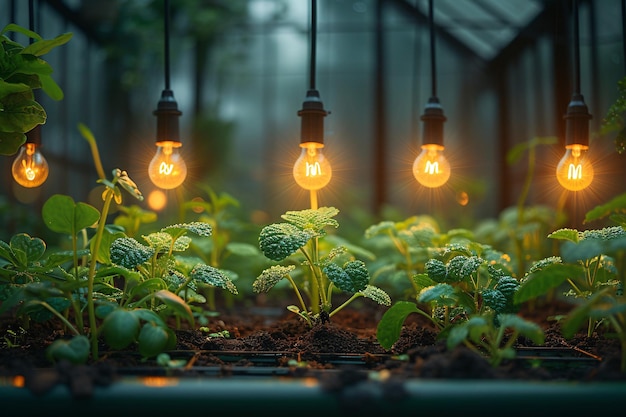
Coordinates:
<point>312,170</point>
<point>431,168</point>
<point>30,168</point>
<point>167,169</point>
<point>575,171</point>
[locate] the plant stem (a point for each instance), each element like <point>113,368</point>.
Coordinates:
<point>297,291</point>
<point>348,301</point>
<point>92,272</point>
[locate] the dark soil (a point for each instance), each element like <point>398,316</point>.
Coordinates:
<point>272,341</point>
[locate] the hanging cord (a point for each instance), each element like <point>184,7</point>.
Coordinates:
<point>166,20</point>
<point>313,44</point>
<point>624,31</point>
<point>433,70</point>
<point>31,17</point>
<point>576,50</point>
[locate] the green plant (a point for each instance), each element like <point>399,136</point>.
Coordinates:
<point>494,336</point>
<point>21,72</point>
<point>127,288</point>
<point>324,271</point>
<point>465,280</point>
<point>227,248</point>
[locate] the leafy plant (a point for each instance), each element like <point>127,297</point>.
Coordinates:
<point>584,265</point>
<point>127,288</point>
<point>22,70</point>
<point>494,336</point>
<point>324,272</point>
<point>464,281</point>
<point>226,248</point>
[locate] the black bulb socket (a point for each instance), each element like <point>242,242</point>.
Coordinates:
<point>167,114</point>
<point>577,122</point>
<point>312,114</point>
<point>433,118</point>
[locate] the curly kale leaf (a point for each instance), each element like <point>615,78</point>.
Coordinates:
<point>213,276</point>
<point>279,240</point>
<point>313,219</point>
<point>461,267</point>
<point>353,277</point>
<point>436,270</point>
<point>199,228</point>
<point>376,294</point>
<point>508,286</point>
<point>271,277</point>
<point>158,241</point>
<point>129,253</point>
<point>383,227</point>
<point>495,300</point>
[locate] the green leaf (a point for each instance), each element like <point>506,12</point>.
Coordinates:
<point>212,276</point>
<point>313,219</point>
<point>62,215</point>
<point>279,240</point>
<point>376,294</point>
<point>75,350</point>
<point>199,228</point>
<point>566,234</point>
<point>525,328</point>
<point>153,339</point>
<point>43,46</point>
<point>270,277</point>
<point>12,27</point>
<point>10,142</point>
<point>129,253</point>
<point>443,294</point>
<point>615,205</point>
<point>20,113</point>
<point>120,328</point>
<point>176,303</point>
<point>390,325</point>
<point>541,281</point>
<point>353,277</point>
<point>32,247</point>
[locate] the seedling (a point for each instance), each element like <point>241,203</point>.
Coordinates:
<point>323,272</point>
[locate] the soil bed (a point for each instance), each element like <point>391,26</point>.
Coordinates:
<point>272,341</point>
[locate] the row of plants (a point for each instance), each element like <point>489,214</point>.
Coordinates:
<point>129,281</point>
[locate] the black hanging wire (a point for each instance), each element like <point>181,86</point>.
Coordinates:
<point>433,65</point>
<point>576,50</point>
<point>624,31</point>
<point>166,31</point>
<point>312,112</point>
<point>577,116</point>
<point>313,35</point>
<point>433,116</point>
<point>167,112</point>
<point>33,135</point>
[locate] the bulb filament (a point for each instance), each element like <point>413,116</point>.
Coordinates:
<point>575,172</point>
<point>431,167</point>
<point>166,169</point>
<point>313,170</point>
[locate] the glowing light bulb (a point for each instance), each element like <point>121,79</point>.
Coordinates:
<point>30,168</point>
<point>167,169</point>
<point>312,170</point>
<point>431,168</point>
<point>574,171</point>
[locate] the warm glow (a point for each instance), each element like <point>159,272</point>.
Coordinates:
<point>431,168</point>
<point>312,170</point>
<point>158,381</point>
<point>575,171</point>
<point>30,168</point>
<point>167,169</point>
<point>157,200</point>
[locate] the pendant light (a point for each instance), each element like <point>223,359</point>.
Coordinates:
<point>30,168</point>
<point>431,168</point>
<point>575,171</point>
<point>167,168</point>
<point>312,171</point>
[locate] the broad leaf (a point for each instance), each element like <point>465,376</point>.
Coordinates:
<point>390,325</point>
<point>62,215</point>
